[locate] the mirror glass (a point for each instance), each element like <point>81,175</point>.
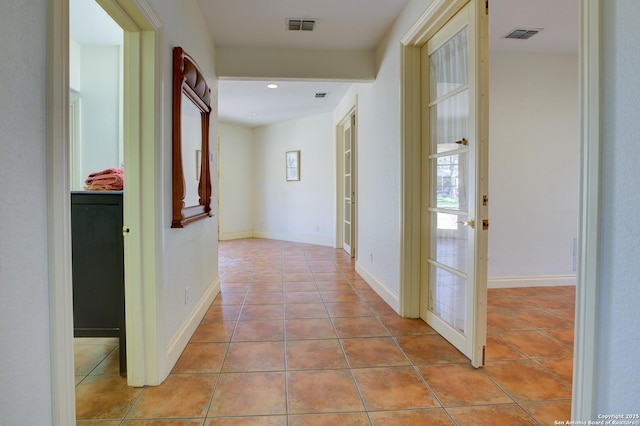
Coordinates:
<point>191,171</point>
<point>191,148</point>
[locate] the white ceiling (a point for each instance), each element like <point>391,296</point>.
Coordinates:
<point>354,24</point>
<point>342,25</point>
<point>89,24</point>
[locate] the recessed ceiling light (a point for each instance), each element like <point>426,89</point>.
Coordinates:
<point>272,86</point>
<point>253,114</point>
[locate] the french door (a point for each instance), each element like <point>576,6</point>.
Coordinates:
<point>454,162</point>
<point>348,179</point>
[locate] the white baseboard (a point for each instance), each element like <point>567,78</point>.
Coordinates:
<point>180,340</point>
<point>392,299</point>
<point>531,281</point>
<point>297,238</point>
<point>226,236</point>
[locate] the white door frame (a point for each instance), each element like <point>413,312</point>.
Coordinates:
<point>585,346</point>
<point>141,26</point>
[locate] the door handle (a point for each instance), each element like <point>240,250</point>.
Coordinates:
<point>125,230</point>
<point>463,141</point>
<point>470,223</point>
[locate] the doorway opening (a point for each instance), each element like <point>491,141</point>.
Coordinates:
<point>139,122</point>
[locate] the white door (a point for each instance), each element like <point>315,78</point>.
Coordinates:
<point>348,179</point>
<point>454,259</point>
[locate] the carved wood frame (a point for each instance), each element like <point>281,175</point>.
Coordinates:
<point>189,80</point>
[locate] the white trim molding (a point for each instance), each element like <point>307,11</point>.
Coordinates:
<point>585,347</point>
<point>296,238</point>
<point>391,298</point>
<point>181,338</point>
<point>59,216</point>
<point>531,281</point>
<point>226,236</point>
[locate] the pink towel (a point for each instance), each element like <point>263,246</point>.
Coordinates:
<point>106,180</point>
<point>109,171</point>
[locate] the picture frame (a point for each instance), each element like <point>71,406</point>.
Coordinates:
<point>292,165</point>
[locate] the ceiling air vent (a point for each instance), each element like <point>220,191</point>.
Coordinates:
<point>299,24</point>
<point>523,33</point>
<point>321,95</point>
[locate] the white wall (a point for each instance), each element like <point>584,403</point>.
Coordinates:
<point>25,370</point>
<point>301,211</point>
<point>533,169</point>
<point>618,381</point>
<point>101,107</point>
<point>379,161</point>
<point>236,181</point>
<point>75,66</point>
<point>190,254</point>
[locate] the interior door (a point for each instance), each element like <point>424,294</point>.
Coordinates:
<point>348,225</point>
<point>454,246</point>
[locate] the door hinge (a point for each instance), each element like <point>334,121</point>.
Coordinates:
<point>485,224</point>
<point>485,200</point>
<point>486,7</point>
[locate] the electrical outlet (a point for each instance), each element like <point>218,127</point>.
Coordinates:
<point>186,296</point>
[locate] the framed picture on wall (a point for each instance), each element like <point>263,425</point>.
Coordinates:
<point>293,165</point>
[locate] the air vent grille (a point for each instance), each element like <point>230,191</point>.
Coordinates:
<point>523,33</point>
<point>321,95</point>
<point>298,24</point>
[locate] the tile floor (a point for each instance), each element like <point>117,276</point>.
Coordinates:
<point>296,337</point>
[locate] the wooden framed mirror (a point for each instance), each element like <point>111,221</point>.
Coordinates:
<point>191,111</point>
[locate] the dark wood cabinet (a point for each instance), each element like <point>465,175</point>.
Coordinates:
<point>98,267</point>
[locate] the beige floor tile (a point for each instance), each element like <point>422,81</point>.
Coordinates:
<point>249,394</point>
<point>315,355</point>
<point>431,417</point>
<point>264,330</point>
<point>254,356</point>
<point>359,327</point>
<point>201,358</point>
<point>351,419</point>
<point>248,421</point>
<point>491,415</point>
<point>430,349</point>
<point>314,328</point>
<point>461,384</point>
<point>548,412</point>
<point>104,398</point>
<point>322,391</point>
<point>393,388</point>
<point>181,396</point>
<point>305,310</point>
<point>373,352</point>
<point>213,331</point>
<point>535,344</point>
<point>527,381</point>
<point>262,312</point>
<point>350,309</point>
<point>398,326</point>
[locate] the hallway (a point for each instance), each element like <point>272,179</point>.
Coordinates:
<point>296,337</point>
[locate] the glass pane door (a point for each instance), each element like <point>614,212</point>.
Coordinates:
<point>348,202</point>
<point>454,285</point>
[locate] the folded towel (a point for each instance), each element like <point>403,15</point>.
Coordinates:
<point>106,180</point>
<point>109,171</point>
<point>102,188</point>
